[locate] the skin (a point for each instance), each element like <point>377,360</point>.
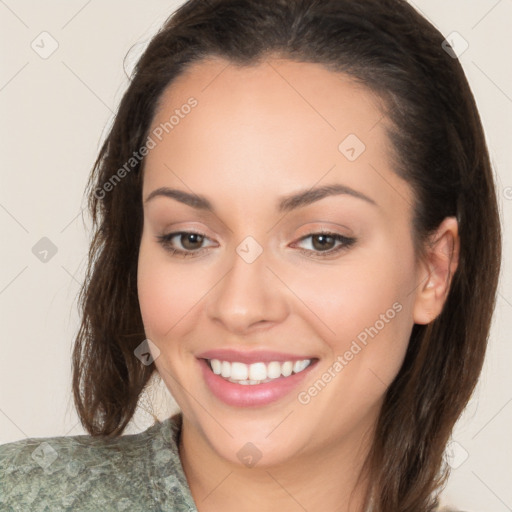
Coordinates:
<point>259,133</point>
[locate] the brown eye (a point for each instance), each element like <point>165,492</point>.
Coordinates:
<point>323,242</point>
<point>184,243</point>
<point>191,241</point>
<point>326,244</point>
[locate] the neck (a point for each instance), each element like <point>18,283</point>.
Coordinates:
<point>325,479</point>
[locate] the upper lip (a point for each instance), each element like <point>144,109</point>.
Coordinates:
<point>248,357</point>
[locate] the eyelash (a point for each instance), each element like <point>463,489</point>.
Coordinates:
<point>346,243</point>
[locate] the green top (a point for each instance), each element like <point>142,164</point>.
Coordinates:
<point>136,473</point>
<point>140,472</point>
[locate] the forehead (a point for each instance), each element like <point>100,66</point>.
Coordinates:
<point>279,123</point>
<point>270,95</point>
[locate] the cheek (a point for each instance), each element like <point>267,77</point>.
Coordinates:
<point>349,298</point>
<point>364,318</point>
<point>363,312</point>
<point>165,295</point>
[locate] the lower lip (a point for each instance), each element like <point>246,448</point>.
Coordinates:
<point>240,395</point>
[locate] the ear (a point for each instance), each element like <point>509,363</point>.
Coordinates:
<point>436,270</point>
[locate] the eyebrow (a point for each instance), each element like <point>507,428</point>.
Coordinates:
<point>284,204</point>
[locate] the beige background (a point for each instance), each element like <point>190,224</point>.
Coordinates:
<point>55,111</point>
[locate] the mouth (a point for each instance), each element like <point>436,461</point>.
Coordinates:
<point>261,379</point>
<point>256,373</point>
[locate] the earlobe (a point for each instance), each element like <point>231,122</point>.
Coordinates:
<point>436,272</point>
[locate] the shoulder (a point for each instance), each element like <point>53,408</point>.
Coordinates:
<point>84,472</point>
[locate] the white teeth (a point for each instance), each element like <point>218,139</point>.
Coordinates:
<point>225,369</point>
<point>287,369</point>
<point>239,371</point>
<point>298,366</point>
<point>274,370</point>
<point>216,366</point>
<point>256,373</point>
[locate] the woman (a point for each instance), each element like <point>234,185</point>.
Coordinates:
<point>297,228</point>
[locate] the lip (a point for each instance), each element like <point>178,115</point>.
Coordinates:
<point>249,357</point>
<point>239,395</point>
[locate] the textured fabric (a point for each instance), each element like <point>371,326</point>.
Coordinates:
<point>140,472</point>
<point>133,473</point>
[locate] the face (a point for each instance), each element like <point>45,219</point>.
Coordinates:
<point>275,231</point>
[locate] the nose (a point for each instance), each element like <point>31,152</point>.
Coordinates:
<point>249,297</point>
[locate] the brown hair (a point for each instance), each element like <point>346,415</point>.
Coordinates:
<point>440,151</point>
